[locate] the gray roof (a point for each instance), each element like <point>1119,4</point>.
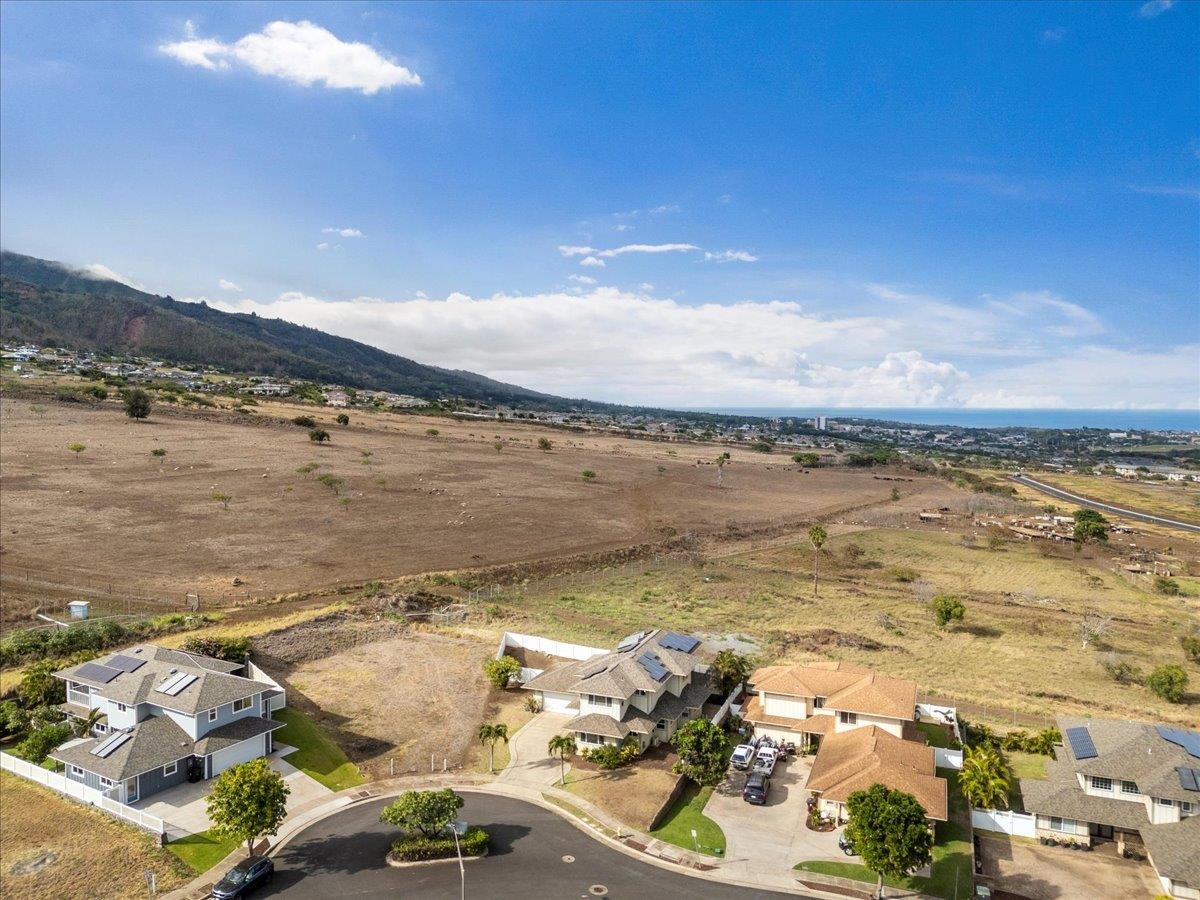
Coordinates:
<point>234,733</point>
<point>1175,849</point>
<point>598,723</point>
<point>617,674</point>
<point>156,742</point>
<point>213,685</point>
<point>1130,751</point>
<point>1060,795</point>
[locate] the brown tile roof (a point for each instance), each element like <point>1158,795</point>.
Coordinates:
<point>855,760</point>
<point>753,712</point>
<point>844,686</point>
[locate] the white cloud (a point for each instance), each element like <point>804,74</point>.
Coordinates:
<point>592,263</point>
<point>667,208</point>
<point>646,286</point>
<point>725,199</point>
<point>1053,35</point>
<point>567,250</point>
<point>730,256</point>
<point>1155,8</point>
<point>1187,191</point>
<point>623,226</point>
<point>226,285</point>
<point>904,349</point>
<point>592,252</point>
<point>582,279</point>
<point>101,272</point>
<point>324,245</point>
<point>299,52</point>
<point>343,232</point>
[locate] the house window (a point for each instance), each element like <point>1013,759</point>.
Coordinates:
<point>212,714</point>
<point>101,729</point>
<point>641,693</point>
<point>171,768</point>
<point>599,701</point>
<point>662,724</point>
<point>105,783</point>
<point>1129,787</point>
<point>1065,825</point>
<point>244,703</point>
<point>1165,801</point>
<point>848,718</point>
<point>1101,784</point>
<point>76,770</point>
<point>1186,807</point>
<point>121,707</point>
<point>818,702</point>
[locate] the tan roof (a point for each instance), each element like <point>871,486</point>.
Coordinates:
<point>844,686</point>
<point>753,713</point>
<point>855,760</point>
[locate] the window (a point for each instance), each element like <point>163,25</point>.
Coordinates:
<point>848,718</point>
<point>121,707</point>
<point>662,724</point>
<point>212,714</point>
<point>105,783</point>
<point>1129,787</point>
<point>76,770</point>
<point>1186,807</point>
<point>599,701</point>
<point>101,728</point>
<point>1065,825</point>
<point>1165,801</point>
<point>244,703</point>
<point>171,768</point>
<point>1101,784</point>
<point>818,702</point>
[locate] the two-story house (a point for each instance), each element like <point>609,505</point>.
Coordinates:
<point>1133,783</point>
<point>166,716</point>
<point>650,685</point>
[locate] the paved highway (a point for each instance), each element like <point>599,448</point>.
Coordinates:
<point>1104,507</point>
<point>535,853</point>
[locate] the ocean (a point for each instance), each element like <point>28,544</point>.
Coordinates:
<point>1109,419</point>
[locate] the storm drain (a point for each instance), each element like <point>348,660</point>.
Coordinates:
<point>568,859</point>
<point>598,890</point>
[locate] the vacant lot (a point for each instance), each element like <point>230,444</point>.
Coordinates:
<point>55,849</point>
<point>1176,500</point>
<point>112,520</point>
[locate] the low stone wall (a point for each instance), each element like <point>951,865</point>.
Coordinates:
<point>680,784</point>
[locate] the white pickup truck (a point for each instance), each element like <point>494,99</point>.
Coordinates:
<point>764,762</point>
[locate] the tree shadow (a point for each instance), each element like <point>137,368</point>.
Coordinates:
<point>983,631</point>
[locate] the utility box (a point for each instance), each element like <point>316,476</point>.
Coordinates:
<point>79,609</point>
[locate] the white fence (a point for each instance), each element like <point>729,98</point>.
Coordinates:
<point>1005,821</point>
<point>545,645</point>
<point>81,792</point>
<point>945,758</point>
<point>277,702</point>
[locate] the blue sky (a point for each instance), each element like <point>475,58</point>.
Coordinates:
<point>919,204</point>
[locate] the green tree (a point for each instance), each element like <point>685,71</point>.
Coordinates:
<point>817,536</point>
<point>13,719</point>
<point>318,435</point>
<point>545,444</point>
<point>39,687</point>
<point>222,498</point>
<point>158,452</point>
<point>562,746</point>
<point>807,460</point>
<point>889,832</point>
<point>731,670</point>
<point>76,447</point>
<point>428,812</point>
<point>1168,682</point>
<point>589,475</point>
<point>701,746</point>
<point>1090,526</point>
<point>343,419</point>
<point>489,734</point>
<point>501,671</point>
<point>247,801</point>
<point>38,744</point>
<point>83,727</point>
<point>947,608</point>
<point>984,778</point>
<point>137,404</point>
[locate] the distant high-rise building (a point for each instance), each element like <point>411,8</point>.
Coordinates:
<point>820,423</point>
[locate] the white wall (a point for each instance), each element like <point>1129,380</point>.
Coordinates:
<point>545,645</point>
<point>1005,821</point>
<point>892,726</point>
<point>782,705</point>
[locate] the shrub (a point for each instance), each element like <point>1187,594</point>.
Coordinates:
<point>1167,586</point>
<point>1168,682</point>
<point>904,575</point>
<point>947,608</point>
<point>588,475</point>
<point>1191,647</point>
<point>807,460</point>
<point>96,391</point>
<point>501,671</point>
<point>230,649</point>
<point>418,847</point>
<point>1121,671</point>
<point>612,756</point>
<point>304,421</point>
<point>343,419</point>
<point>432,432</point>
<point>37,746</point>
<point>545,444</point>
<point>762,447</point>
<point>318,435</point>
<point>13,719</point>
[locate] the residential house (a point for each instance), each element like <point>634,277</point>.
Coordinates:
<point>337,398</point>
<point>1133,784</point>
<point>166,716</point>
<point>645,689</point>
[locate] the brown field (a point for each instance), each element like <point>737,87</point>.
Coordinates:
<point>1176,500</point>
<point>96,858</point>
<point>113,522</point>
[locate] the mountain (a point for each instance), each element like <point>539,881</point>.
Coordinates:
<point>44,302</point>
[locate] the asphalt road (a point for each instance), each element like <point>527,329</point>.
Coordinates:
<point>1103,507</point>
<point>343,856</point>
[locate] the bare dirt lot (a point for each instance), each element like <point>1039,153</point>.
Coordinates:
<point>113,520</point>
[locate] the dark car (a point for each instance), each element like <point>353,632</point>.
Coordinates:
<point>756,789</point>
<point>847,845</point>
<point>243,878</point>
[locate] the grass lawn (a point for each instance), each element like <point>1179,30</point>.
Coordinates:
<point>951,855</point>
<point>1023,765</point>
<point>937,735</point>
<point>688,814</point>
<point>200,852</point>
<point>316,755</point>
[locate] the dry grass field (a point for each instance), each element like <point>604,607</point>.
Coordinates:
<point>1177,500</point>
<point>94,857</point>
<point>112,520</point>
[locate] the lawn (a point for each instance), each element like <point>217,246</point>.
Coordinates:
<point>200,852</point>
<point>936,734</point>
<point>688,814</point>
<point>1023,765</point>
<point>316,755</point>
<point>632,794</point>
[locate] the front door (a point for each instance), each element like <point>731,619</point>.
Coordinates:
<point>1101,832</point>
<point>131,790</point>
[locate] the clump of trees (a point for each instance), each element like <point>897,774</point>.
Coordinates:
<point>807,460</point>
<point>50,647</point>
<point>731,669</point>
<point>426,817</point>
<point>762,447</point>
<point>501,671</point>
<point>702,747</point>
<point>230,649</point>
<point>305,421</point>
<point>984,778</point>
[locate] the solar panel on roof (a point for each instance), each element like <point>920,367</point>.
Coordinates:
<point>653,666</point>
<point>177,684</point>
<point>125,663</point>
<point>106,747</point>
<point>97,672</point>
<point>1189,779</point>
<point>684,643</point>
<point>1082,746</point>
<point>1188,740</point>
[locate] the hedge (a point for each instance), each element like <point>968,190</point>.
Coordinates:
<point>418,848</point>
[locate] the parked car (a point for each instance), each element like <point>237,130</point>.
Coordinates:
<point>743,755</point>
<point>846,844</point>
<point>764,762</point>
<point>243,878</point>
<point>756,789</point>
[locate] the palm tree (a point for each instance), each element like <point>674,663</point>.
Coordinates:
<point>817,536</point>
<point>83,727</point>
<point>984,778</point>
<point>489,734</point>
<point>562,746</point>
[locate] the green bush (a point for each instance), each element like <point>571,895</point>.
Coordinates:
<point>501,671</point>
<point>1041,743</point>
<point>304,421</point>
<point>1168,587</point>
<point>13,719</point>
<point>947,608</point>
<point>612,756</point>
<point>39,743</point>
<point>96,391</point>
<point>762,447</point>
<point>417,847</point>
<point>1168,682</point>
<point>230,649</point>
<point>1191,647</point>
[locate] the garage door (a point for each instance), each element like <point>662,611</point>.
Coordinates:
<point>238,753</point>
<point>560,703</point>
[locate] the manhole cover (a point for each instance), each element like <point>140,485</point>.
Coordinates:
<point>568,858</point>
<point>598,890</point>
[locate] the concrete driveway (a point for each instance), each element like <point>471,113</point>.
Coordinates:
<point>773,836</point>
<point>529,763</point>
<point>183,808</point>
<point>1055,873</point>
